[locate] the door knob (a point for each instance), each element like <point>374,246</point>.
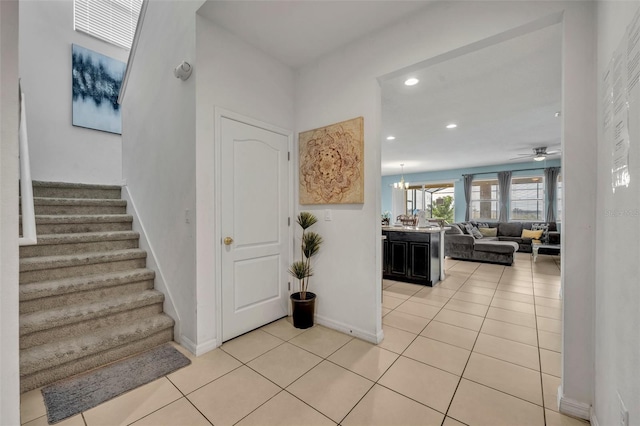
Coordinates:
<point>228,241</point>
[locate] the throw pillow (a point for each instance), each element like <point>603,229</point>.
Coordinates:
<point>534,235</point>
<point>471,230</point>
<point>476,234</point>
<point>488,232</point>
<point>545,230</point>
<point>483,225</point>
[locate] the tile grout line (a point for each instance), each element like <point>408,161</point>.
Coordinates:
<point>470,353</point>
<point>376,382</point>
<point>535,312</point>
<point>386,370</point>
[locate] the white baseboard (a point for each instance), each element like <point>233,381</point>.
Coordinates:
<point>593,419</point>
<point>573,408</point>
<point>200,349</point>
<point>160,283</point>
<point>346,329</point>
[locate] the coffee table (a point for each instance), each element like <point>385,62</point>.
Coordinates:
<point>537,246</point>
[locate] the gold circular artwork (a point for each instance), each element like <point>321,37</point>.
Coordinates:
<point>331,164</point>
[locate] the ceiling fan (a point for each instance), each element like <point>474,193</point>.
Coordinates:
<point>539,154</point>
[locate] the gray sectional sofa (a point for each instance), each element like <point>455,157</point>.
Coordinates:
<point>463,246</point>
<point>459,243</point>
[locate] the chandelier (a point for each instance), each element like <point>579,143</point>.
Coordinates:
<point>402,184</point>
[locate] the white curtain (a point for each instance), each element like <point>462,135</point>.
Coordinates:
<point>398,203</point>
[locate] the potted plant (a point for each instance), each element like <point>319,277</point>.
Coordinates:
<point>303,301</point>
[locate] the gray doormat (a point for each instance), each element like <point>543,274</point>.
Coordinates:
<point>79,393</point>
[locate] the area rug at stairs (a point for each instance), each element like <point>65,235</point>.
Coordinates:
<point>79,393</point>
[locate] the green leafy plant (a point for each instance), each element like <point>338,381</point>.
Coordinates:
<point>310,245</point>
<point>444,210</point>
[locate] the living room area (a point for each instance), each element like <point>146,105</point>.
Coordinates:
<point>474,141</point>
<point>459,147</point>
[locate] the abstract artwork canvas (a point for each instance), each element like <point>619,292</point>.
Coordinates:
<point>96,81</point>
<point>332,164</point>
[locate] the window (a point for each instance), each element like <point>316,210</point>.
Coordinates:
<point>436,199</point>
<point>417,200</point>
<point>484,199</point>
<point>113,21</point>
<point>527,198</point>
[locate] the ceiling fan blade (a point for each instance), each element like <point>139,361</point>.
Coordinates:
<point>554,152</point>
<point>521,157</point>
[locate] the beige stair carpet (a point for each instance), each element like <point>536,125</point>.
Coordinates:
<point>86,296</point>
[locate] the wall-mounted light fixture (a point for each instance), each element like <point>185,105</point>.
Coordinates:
<point>183,71</point>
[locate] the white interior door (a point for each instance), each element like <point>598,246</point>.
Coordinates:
<point>254,226</point>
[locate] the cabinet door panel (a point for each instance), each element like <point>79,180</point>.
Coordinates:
<point>419,260</point>
<point>385,257</point>
<point>399,252</point>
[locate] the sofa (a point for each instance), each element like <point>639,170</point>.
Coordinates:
<point>458,245</point>
<point>513,231</point>
<point>466,240</point>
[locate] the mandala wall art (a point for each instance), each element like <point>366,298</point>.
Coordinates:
<point>332,164</point>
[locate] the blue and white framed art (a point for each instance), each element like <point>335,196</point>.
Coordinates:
<point>96,81</point>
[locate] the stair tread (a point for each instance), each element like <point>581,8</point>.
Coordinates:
<point>82,283</point>
<point>73,185</point>
<point>49,355</point>
<point>59,201</point>
<point>44,320</point>
<point>79,259</point>
<point>85,237</point>
<point>82,218</point>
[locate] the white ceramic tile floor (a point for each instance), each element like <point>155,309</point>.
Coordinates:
<point>485,349</point>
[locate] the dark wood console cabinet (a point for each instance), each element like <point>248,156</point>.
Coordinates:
<point>411,256</point>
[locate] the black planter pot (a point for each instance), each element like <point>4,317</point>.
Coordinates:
<point>303,309</point>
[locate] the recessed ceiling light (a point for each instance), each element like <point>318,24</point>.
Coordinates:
<point>390,138</point>
<point>557,114</point>
<point>452,126</point>
<point>411,81</point>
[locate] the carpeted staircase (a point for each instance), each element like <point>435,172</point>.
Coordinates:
<point>86,298</point>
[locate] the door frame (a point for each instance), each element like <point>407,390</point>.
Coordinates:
<point>219,114</point>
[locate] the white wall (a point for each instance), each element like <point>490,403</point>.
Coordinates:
<point>159,158</point>
<point>617,319</point>
<point>343,85</point>
<point>60,151</point>
<point>237,77</point>
<point>9,364</point>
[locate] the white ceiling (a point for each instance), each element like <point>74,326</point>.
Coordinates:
<point>503,97</point>
<point>299,31</point>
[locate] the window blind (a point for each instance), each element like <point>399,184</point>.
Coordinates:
<point>113,21</point>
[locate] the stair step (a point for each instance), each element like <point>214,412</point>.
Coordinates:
<point>86,289</point>
<point>74,190</point>
<point>44,364</point>
<point>65,224</point>
<point>44,327</point>
<point>86,297</point>
<point>45,268</point>
<point>78,206</point>
<point>61,244</point>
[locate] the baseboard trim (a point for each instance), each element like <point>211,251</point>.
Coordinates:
<point>347,329</point>
<point>200,349</point>
<point>593,419</point>
<point>160,283</point>
<point>571,407</point>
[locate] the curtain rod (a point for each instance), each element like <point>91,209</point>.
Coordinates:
<point>498,171</point>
